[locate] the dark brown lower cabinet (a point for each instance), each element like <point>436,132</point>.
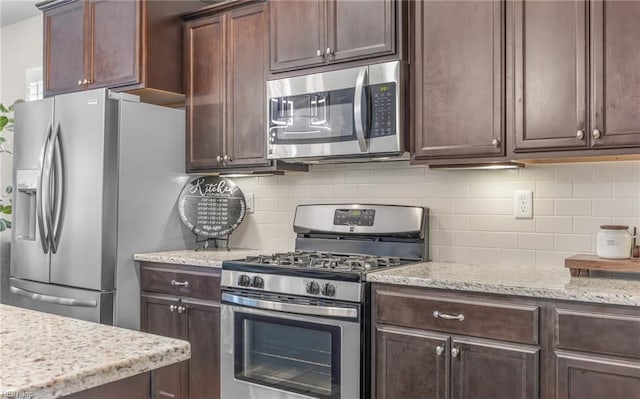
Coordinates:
<point>408,364</point>
<point>197,320</point>
<point>444,344</point>
<point>428,365</point>
<point>591,377</point>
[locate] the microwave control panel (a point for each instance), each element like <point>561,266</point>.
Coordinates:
<point>354,217</point>
<point>383,109</point>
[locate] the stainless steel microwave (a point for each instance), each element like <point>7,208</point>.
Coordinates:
<point>355,112</point>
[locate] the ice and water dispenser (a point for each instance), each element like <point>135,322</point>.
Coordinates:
<point>25,206</point>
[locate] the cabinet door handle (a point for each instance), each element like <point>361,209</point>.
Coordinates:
<point>329,52</point>
<point>580,134</point>
<point>319,53</point>
<point>455,352</point>
<point>445,316</point>
<point>219,158</point>
<point>495,143</point>
<point>227,158</point>
<point>173,308</point>
<point>182,309</point>
<point>439,350</point>
<point>79,82</point>
<point>184,284</point>
<point>86,82</point>
<point>596,134</point>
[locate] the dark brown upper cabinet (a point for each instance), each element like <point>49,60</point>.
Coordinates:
<point>226,58</point>
<point>458,96</point>
<point>319,32</point>
<point>129,45</point>
<point>557,104</point>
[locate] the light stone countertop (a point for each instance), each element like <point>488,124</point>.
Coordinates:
<point>47,356</point>
<point>208,258</point>
<point>552,283</point>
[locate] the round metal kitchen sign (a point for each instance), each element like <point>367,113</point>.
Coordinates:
<point>211,206</point>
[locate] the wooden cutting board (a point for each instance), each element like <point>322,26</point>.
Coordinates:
<point>580,265</point>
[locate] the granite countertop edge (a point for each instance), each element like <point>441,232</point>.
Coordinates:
<point>551,283</point>
<point>206,258</point>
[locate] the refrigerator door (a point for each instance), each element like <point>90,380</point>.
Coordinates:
<point>83,211</point>
<point>64,301</point>
<point>30,247</point>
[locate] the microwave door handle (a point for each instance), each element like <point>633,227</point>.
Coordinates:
<point>361,80</point>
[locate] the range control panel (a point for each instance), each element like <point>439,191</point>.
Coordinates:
<point>354,217</point>
<point>383,109</point>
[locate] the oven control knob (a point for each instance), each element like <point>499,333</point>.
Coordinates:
<point>244,280</point>
<point>328,289</point>
<point>257,282</point>
<point>313,288</point>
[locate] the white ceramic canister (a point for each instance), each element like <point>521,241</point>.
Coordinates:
<point>614,242</point>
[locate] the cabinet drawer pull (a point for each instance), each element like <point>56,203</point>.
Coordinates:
<point>184,284</point>
<point>439,350</point>
<point>455,352</point>
<point>445,316</point>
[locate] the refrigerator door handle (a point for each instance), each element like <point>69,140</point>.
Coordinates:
<point>87,303</point>
<point>40,198</point>
<point>49,179</point>
<point>58,190</point>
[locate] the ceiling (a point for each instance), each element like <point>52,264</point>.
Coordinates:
<point>12,11</point>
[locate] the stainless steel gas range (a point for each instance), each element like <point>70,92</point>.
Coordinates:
<point>296,325</point>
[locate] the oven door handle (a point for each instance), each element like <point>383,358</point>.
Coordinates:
<point>328,311</point>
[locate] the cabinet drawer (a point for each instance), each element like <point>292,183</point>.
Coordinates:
<point>604,333</point>
<point>505,322</point>
<point>186,281</point>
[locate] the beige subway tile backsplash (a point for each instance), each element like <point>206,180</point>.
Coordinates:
<point>471,211</point>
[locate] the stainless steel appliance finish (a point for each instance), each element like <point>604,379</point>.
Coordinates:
<point>96,176</point>
<point>354,112</point>
<point>294,324</point>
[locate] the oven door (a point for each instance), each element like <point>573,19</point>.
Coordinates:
<point>269,352</point>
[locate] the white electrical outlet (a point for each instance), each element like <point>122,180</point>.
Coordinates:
<point>523,204</point>
<point>249,200</point>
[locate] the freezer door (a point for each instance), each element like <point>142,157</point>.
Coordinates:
<point>87,305</point>
<point>84,190</point>
<point>29,249</point>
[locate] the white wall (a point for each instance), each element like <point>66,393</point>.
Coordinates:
<point>471,211</point>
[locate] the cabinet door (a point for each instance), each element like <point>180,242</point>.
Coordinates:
<point>297,33</point>
<point>550,105</point>
<point>410,365</point>
<point>483,370</point>
<point>246,88</point>
<point>64,48</point>
<point>205,50</point>
<point>158,318</point>
<point>458,89</point>
<point>359,29</point>
<point>587,377</point>
<point>615,113</point>
<point>203,331</point>
<point>115,42</point>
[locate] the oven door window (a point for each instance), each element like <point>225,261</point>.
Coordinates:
<point>324,117</point>
<point>290,355</point>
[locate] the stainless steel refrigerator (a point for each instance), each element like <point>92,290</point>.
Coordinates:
<point>97,175</point>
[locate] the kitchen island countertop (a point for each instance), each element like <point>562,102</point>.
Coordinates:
<point>539,282</point>
<point>208,258</point>
<point>47,356</point>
